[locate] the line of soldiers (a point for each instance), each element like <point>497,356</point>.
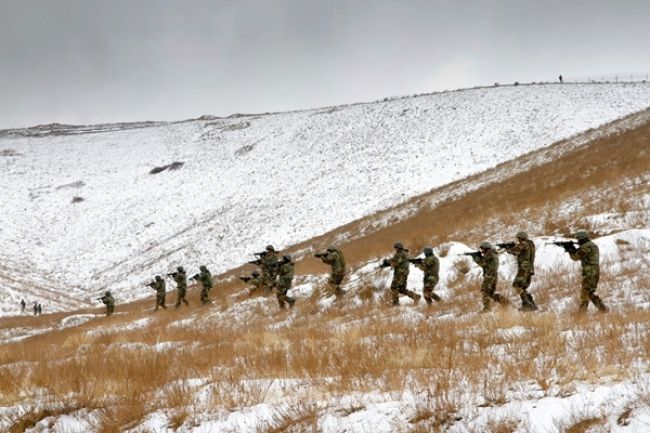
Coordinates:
<point>277,274</point>
<point>488,259</point>
<point>37,308</point>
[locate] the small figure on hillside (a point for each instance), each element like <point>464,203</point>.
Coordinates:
<point>22,305</point>
<point>284,281</point>
<point>270,267</point>
<point>589,256</point>
<point>400,264</point>
<point>158,284</point>
<point>39,308</point>
<point>335,258</point>
<point>430,265</point>
<point>35,308</point>
<point>524,249</point>
<point>180,278</point>
<point>488,260</point>
<point>109,301</point>
<point>205,278</point>
<point>560,77</point>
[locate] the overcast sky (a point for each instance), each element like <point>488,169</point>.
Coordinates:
<point>85,61</point>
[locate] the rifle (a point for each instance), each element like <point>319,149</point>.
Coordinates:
<point>195,277</point>
<point>256,262</point>
<point>152,284</point>
<point>416,261</point>
<point>569,246</point>
<point>320,255</point>
<point>262,254</point>
<point>473,254</point>
<point>506,245</point>
<point>100,299</point>
<point>384,264</point>
<point>173,274</point>
<point>245,279</point>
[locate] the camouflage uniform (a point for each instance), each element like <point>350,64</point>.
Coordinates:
<point>430,265</point>
<point>589,256</point>
<point>400,264</point>
<point>205,277</point>
<point>283,282</point>
<point>180,278</point>
<point>489,262</point>
<point>525,252</point>
<point>109,301</point>
<point>255,283</point>
<point>269,268</point>
<point>336,260</point>
<point>161,288</point>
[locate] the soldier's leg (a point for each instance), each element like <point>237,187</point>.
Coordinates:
<point>591,282</point>
<point>178,299</point>
<point>427,291</point>
<point>486,294</point>
<point>281,296</point>
<point>411,294</point>
<point>394,292</point>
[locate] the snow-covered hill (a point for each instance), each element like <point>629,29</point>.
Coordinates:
<point>82,211</point>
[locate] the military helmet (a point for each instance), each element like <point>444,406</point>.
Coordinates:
<point>180,269</point>
<point>286,258</point>
<point>398,245</point>
<point>485,246</point>
<point>203,268</point>
<point>270,248</point>
<point>256,274</point>
<point>428,251</point>
<point>158,277</point>
<point>522,235</point>
<point>108,293</point>
<point>581,235</point>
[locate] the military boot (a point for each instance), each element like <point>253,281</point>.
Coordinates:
<point>500,299</point>
<point>598,303</point>
<point>416,298</point>
<point>435,297</point>
<point>582,308</point>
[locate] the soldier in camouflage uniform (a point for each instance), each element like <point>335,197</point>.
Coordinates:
<point>205,278</point>
<point>160,287</point>
<point>109,301</point>
<point>283,282</point>
<point>254,282</point>
<point>488,260</point>
<point>524,249</point>
<point>180,278</point>
<point>400,264</point>
<point>589,257</point>
<point>269,268</point>
<point>334,257</point>
<point>430,265</point>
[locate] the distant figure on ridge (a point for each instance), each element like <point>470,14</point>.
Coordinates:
<point>109,301</point>
<point>560,77</point>
<point>22,305</point>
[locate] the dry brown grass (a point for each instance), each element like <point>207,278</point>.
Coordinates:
<point>308,355</point>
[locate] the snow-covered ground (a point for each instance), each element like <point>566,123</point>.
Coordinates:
<point>81,211</point>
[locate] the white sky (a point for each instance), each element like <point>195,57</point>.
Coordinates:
<point>92,61</point>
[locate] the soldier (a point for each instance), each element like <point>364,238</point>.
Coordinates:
<point>160,287</point>
<point>254,282</point>
<point>109,301</point>
<point>524,249</point>
<point>430,265</point>
<point>488,260</point>
<point>269,267</point>
<point>205,277</point>
<point>588,254</point>
<point>35,308</point>
<point>400,264</point>
<point>22,305</point>
<point>180,277</point>
<point>283,282</point>
<point>40,309</point>
<point>334,257</point>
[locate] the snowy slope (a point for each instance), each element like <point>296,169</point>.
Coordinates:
<point>251,180</point>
